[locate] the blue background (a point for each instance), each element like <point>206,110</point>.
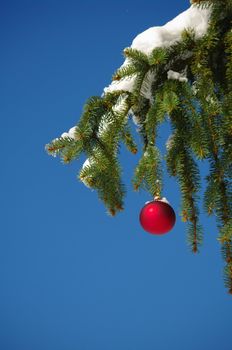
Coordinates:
<point>71,276</point>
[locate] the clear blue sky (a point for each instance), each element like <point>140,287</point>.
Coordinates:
<point>73,278</point>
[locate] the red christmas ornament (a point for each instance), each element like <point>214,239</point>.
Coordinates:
<point>157,217</point>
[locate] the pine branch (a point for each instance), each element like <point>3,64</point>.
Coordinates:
<point>216,198</point>
<point>199,108</point>
<point>180,163</point>
<point>148,173</point>
<point>128,140</point>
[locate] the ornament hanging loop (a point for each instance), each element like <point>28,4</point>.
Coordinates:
<point>157,192</point>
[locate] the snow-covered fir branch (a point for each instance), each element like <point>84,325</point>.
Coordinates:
<point>194,18</point>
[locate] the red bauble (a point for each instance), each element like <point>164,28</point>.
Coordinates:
<point>157,217</point>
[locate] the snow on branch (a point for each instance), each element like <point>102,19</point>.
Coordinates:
<point>195,18</point>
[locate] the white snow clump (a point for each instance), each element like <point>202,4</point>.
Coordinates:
<point>70,133</point>
<point>176,76</point>
<point>195,18</point>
